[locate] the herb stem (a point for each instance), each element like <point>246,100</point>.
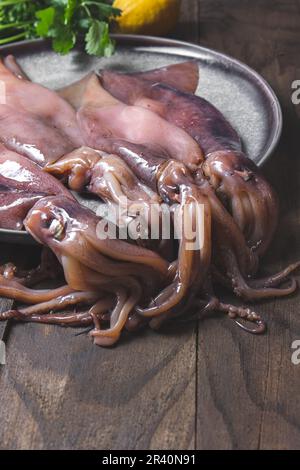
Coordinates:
<point>13,38</point>
<point>108,9</point>
<point>14,25</point>
<point>61,20</point>
<point>7,3</point>
<point>86,8</point>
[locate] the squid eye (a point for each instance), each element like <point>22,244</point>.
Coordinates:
<point>56,229</point>
<point>176,189</point>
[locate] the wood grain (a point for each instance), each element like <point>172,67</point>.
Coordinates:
<point>7,255</point>
<point>60,392</point>
<point>205,386</point>
<point>247,386</point>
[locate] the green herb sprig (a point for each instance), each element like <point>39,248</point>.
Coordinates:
<point>64,21</point>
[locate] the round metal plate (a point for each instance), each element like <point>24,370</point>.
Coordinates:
<point>241,94</point>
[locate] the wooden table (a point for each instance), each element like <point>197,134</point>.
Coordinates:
<point>205,385</point>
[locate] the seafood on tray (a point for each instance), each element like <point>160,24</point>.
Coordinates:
<point>144,141</point>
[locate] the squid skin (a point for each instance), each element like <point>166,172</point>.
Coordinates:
<point>74,92</point>
<point>199,118</point>
<point>102,116</point>
<point>237,230</point>
<point>88,92</point>
<point>184,76</point>
<point>146,128</point>
<point>35,121</point>
<point>12,65</point>
<point>22,184</point>
<point>236,177</point>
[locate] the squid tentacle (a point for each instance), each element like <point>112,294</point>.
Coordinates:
<point>71,319</point>
<point>243,288</point>
<point>59,303</point>
<point>244,317</point>
<point>275,279</point>
<point>14,290</point>
<point>119,318</point>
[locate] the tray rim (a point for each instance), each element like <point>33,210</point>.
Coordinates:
<point>22,237</point>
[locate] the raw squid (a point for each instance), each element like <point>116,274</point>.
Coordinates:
<point>192,264</point>
<point>103,174</point>
<point>230,250</point>
<point>151,141</point>
<point>173,183</point>
<point>101,116</point>
<point>184,76</point>
<point>147,128</point>
<point>234,257</point>
<point>235,179</point>
<point>35,121</point>
<point>22,183</point>
<point>103,273</point>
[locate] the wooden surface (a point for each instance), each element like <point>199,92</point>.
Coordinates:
<point>205,386</point>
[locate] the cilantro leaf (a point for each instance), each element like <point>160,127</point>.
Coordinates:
<point>64,44</point>
<point>46,19</point>
<point>97,39</point>
<point>61,20</point>
<point>64,38</point>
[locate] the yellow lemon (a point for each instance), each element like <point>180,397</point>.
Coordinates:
<point>154,17</point>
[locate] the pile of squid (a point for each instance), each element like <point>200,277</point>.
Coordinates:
<point>148,138</point>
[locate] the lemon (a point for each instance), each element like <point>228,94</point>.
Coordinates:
<point>154,17</point>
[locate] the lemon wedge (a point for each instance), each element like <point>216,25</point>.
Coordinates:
<point>154,17</point>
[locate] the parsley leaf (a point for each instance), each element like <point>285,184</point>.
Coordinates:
<point>64,21</point>
<point>64,41</point>
<point>97,39</point>
<point>46,19</point>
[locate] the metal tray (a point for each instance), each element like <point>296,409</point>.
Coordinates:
<point>241,94</point>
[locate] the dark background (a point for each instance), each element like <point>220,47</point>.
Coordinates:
<point>205,385</point>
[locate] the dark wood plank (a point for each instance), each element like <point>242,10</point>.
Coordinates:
<point>64,393</point>
<point>188,27</point>
<point>6,253</point>
<point>247,386</point>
